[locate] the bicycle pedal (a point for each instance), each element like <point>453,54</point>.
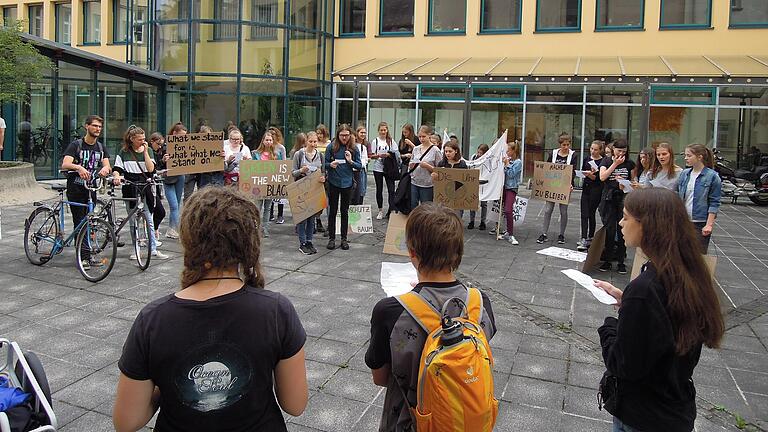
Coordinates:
<point>37,203</point>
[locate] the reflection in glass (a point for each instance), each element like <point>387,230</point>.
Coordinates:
<point>555,93</point>
<point>397,16</point>
<point>344,113</point>
<point>303,116</point>
<point>749,13</point>
<point>213,56</point>
<point>681,126</point>
<point>35,128</point>
<point>144,107</point>
<point>501,15</point>
<point>543,125</point>
<point>113,107</point>
<point>558,14</point>
<point>264,53</point>
<point>620,13</point>
<point>306,55</point>
<point>171,54</point>
<point>257,113</point>
<point>743,144</point>
<point>120,26</point>
<point>225,10</point>
<point>448,15</point>
<point>63,23</point>
<point>353,17</point>
<point>686,13</point>
<point>443,116</point>
<point>264,11</point>
<point>214,110</point>
<point>608,123</point>
<point>306,14</point>
<point>489,121</point>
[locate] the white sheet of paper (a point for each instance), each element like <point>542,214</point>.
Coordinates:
<point>627,185</point>
<point>398,278</point>
<point>593,164</point>
<point>567,254</point>
<point>341,161</point>
<point>586,281</point>
<point>580,174</point>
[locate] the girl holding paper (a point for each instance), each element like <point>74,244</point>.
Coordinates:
<point>665,316</point>
<point>645,167</point>
<point>341,157</point>
<point>591,191</point>
<point>306,161</point>
<point>561,155</point>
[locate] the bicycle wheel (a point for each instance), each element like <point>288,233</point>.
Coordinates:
<point>97,239</point>
<point>41,230</point>
<point>142,240</point>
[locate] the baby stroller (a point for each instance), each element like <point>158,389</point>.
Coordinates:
<point>24,370</point>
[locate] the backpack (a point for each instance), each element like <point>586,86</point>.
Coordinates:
<point>455,391</point>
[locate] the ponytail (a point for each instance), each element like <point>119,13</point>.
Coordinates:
<point>707,157</point>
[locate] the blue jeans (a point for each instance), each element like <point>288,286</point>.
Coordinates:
<point>618,426</point>
<point>263,206</point>
<point>420,194</point>
<point>306,228</point>
<point>152,241</point>
<point>174,193</point>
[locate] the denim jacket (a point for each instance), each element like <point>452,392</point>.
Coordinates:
<point>706,192</point>
<point>341,176</point>
<point>512,174</point>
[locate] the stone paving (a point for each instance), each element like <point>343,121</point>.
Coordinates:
<point>547,353</point>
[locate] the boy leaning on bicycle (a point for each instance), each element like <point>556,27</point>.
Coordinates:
<point>84,158</point>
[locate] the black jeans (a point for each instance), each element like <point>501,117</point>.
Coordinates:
<point>590,200</point>
<point>380,178</point>
<point>79,194</point>
<point>334,194</point>
<point>159,214</point>
<point>615,249</point>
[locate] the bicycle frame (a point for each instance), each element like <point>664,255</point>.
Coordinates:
<point>60,243</point>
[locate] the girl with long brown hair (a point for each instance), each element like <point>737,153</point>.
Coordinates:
<point>384,150</point>
<point>341,157</point>
<point>645,166</point>
<point>361,176</point>
<point>667,172</point>
<point>408,141</point>
<point>666,314</point>
<point>700,189</point>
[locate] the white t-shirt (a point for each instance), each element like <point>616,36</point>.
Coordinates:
<point>2,123</point>
<point>689,193</point>
<point>380,146</point>
<point>244,153</point>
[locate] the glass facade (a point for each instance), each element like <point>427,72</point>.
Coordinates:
<point>620,14</point>
<point>733,119</point>
<point>558,15</point>
<point>500,15</point>
<point>239,60</point>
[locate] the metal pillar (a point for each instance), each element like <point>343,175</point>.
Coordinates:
<point>356,104</point>
<point>465,136</point>
<point>645,116</point>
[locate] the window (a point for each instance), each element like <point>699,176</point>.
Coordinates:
<point>447,16</point>
<point>396,17</point>
<point>686,14</point>
<point>620,14</point>
<point>306,14</point>
<point>91,22</point>
<point>749,13</point>
<point>183,30</point>
<point>225,10</point>
<point>64,23</point>
<point>264,11</point>
<point>120,25</point>
<point>500,16</point>
<point>9,15</point>
<point>139,21</point>
<point>558,15</point>
<point>36,20</point>
<point>670,95</point>
<point>352,17</point>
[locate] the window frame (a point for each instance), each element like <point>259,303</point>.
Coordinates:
<point>711,89</point>
<point>576,29</point>
<point>255,24</point>
<point>219,23</point>
<point>421,87</point>
<point>511,30</point>
<point>6,10</point>
<point>609,28</point>
<point>432,32</point>
<point>115,7</point>
<point>342,10</point>
<point>31,21</point>
<point>57,16</point>
<point>86,23</point>
<point>382,33</point>
<point>731,25</point>
<point>476,98</point>
<point>663,26</point>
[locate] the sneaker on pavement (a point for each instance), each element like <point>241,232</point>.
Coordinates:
<point>171,234</point>
<point>581,246</point>
<point>158,243</point>
<point>621,268</point>
<point>305,249</point>
<point>512,240</point>
<point>280,220</point>
<point>482,226</point>
<point>311,248</point>
<point>344,244</point>
<point>471,225</point>
<point>542,238</point>
<point>561,239</point>
<point>606,266</point>
<point>132,257</point>
<point>159,255</point>
<point>331,244</point>
<point>380,215</point>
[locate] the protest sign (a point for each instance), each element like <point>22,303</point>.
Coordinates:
<point>394,242</point>
<point>458,188</point>
<point>552,182</point>
<point>566,254</point>
<point>265,179</point>
<point>195,153</point>
<point>595,251</point>
<point>519,209</point>
<point>641,258</point>
<point>360,220</point>
<point>306,197</point>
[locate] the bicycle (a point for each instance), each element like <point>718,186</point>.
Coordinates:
<point>140,228</point>
<point>43,237</point>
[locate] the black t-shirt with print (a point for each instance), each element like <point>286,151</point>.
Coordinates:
<point>213,360</point>
<point>89,156</point>
<point>622,170</point>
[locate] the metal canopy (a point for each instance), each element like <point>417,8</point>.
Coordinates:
<point>696,69</point>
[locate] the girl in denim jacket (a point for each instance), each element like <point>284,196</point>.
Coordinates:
<point>700,188</point>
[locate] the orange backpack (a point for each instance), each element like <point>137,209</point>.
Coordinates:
<point>455,386</point>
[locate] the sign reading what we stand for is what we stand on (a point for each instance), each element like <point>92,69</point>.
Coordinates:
<point>195,153</point>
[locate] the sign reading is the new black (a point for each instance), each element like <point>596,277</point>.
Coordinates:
<point>195,153</point>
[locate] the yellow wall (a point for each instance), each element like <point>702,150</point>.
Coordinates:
<point>651,42</point>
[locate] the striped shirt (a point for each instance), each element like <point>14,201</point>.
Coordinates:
<point>131,164</point>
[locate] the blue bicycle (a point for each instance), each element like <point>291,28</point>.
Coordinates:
<point>93,237</point>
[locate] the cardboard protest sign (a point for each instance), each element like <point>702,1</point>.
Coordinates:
<point>552,182</point>
<point>641,258</point>
<point>360,220</point>
<point>306,197</point>
<point>394,242</point>
<point>195,153</point>
<point>265,179</point>
<point>519,209</point>
<point>562,253</point>
<point>595,250</point>
<point>458,188</point>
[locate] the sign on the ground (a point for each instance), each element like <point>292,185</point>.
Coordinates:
<point>306,196</point>
<point>195,153</point>
<point>458,188</point>
<point>360,220</point>
<point>265,179</point>
<point>552,182</point>
<point>394,242</point>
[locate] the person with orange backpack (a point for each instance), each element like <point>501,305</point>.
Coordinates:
<point>433,341</point>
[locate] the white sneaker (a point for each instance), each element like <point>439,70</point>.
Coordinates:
<point>171,234</point>
<point>380,215</point>
<point>132,257</point>
<point>158,243</point>
<point>159,255</point>
<point>512,240</point>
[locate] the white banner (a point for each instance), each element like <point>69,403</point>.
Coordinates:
<point>491,169</point>
<point>446,138</point>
